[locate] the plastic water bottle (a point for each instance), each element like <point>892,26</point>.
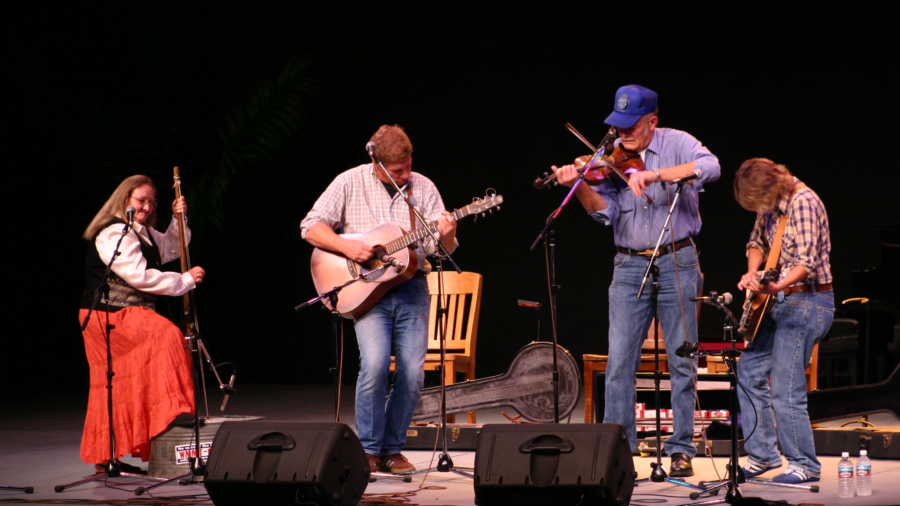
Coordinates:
<point>845,476</point>
<point>863,474</point>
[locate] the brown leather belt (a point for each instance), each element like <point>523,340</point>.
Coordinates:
<point>808,288</point>
<point>663,250</point>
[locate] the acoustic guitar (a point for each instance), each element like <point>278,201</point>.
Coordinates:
<point>756,306</point>
<point>330,269</point>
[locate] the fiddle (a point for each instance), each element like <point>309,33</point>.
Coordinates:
<point>619,163</point>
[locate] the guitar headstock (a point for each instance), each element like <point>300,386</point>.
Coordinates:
<point>486,204</point>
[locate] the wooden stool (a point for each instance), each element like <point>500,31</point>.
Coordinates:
<point>597,363</point>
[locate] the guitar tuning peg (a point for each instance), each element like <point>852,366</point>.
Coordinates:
<point>482,215</point>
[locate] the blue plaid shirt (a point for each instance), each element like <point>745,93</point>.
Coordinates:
<point>806,241</point>
<point>636,224</point>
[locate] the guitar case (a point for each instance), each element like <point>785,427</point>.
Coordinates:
<point>854,401</point>
<point>526,387</point>
<point>460,436</point>
<point>880,442</point>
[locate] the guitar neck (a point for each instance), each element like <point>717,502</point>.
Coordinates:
<point>419,234</point>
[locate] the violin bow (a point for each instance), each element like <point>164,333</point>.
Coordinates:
<point>610,135</point>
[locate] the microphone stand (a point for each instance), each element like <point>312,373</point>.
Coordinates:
<point>112,467</point>
<point>659,472</point>
<point>445,463</point>
<point>550,252</point>
<point>734,473</point>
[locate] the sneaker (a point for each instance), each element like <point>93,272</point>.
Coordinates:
<point>681,466</point>
<point>374,461</point>
<point>794,476</point>
<point>752,469</point>
<point>396,464</point>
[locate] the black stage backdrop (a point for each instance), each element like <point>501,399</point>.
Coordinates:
<point>97,93</point>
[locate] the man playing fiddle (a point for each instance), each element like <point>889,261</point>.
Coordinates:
<point>668,155</point>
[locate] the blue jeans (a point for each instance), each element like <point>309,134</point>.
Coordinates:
<point>772,378</point>
<point>629,320</point>
<point>398,324</point>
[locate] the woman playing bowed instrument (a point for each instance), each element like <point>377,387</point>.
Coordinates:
<point>152,382</point>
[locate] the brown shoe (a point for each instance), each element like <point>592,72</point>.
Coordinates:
<point>681,466</point>
<point>396,464</point>
<point>374,461</point>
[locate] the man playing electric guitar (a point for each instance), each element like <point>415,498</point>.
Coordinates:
<point>771,370</point>
<point>357,201</point>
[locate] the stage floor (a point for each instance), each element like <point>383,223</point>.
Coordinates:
<point>40,437</point>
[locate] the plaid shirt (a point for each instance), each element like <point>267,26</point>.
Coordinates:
<point>806,240</point>
<point>357,201</point>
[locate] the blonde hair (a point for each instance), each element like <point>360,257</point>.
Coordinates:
<point>392,144</point>
<point>760,182</point>
<point>116,204</point>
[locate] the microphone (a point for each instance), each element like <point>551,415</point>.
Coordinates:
<point>129,215</point>
<point>229,389</point>
<point>714,298</point>
<point>393,261</point>
<point>370,148</point>
<point>690,177</point>
<point>687,349</point>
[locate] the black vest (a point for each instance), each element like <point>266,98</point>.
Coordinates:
<point>121,294</point>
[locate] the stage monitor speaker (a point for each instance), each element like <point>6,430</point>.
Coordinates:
<point>279,463</point>
<point>553,464</point>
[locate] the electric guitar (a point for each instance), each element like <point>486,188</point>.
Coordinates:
<point>756,306</point>
<point>330,269</point>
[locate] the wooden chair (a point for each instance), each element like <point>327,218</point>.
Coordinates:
<point>462,299</point>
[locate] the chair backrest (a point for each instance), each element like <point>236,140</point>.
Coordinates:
<point>462,299</point>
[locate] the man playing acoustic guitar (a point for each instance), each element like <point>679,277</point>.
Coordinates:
<point>357,201</point>
<point>771,369</point>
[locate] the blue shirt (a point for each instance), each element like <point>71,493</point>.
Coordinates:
<point>636,223</point>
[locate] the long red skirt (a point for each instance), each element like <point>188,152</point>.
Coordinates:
<point>151,386</point>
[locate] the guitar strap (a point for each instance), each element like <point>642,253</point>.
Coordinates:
<point>775,252</point>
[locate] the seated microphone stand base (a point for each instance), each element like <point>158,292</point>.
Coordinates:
<point>734,473</point>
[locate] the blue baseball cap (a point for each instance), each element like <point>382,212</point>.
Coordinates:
<point>632,102</point>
